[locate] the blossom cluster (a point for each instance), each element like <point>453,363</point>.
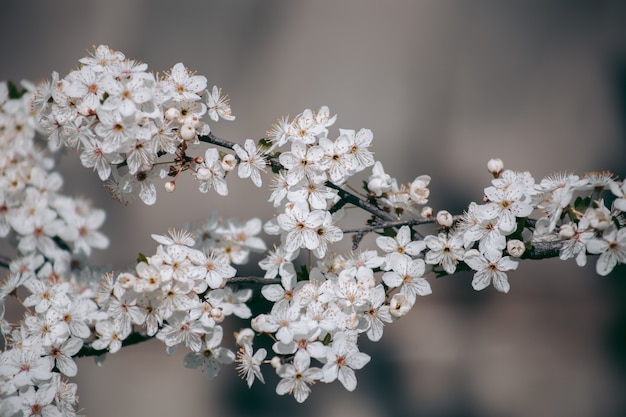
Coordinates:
<point>116,113</point>
<point>122,118</point>
<point>179,296</point>
<point>54,235</point>
<point>301,189</point>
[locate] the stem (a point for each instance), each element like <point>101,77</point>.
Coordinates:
<point>359,202</point>
<point>392,223</point>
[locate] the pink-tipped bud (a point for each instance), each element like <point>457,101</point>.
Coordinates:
<point>427,212</point>
<point>170,186</point>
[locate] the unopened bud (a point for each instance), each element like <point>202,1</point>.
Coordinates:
<point>172,114</point>
<point>217,314</point>
<point>126,280</point>
<point>444,218</point>
<point>515,248</point>
<point>567,231</point>
<point>244,337</point>
<point>599,218</point>
<point>203,174</point>
<point>427,212</point>
<point>198,160</point>
<point>187,132</point>
<point>170,186</point>
<point>495,167</point>
<point>275,362</point>
<point>229,162</point>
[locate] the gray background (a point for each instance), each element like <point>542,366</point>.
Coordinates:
<point>444,85</point>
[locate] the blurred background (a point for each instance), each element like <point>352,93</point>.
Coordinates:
<point>444,86</point>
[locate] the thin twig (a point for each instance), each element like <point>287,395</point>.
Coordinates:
<point>359,202</point>
<point>252,280</point>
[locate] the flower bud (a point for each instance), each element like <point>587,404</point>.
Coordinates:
<point>515,248</point>
<point>444,218</point>
<point>599,218</point>
<point>203,174</point>
<point>217,314</point>
<point>427,212</point>
<point>172,114</point>
<point>495,167</point>
<point>170,186</point>
<point>187,132</point>
<point>229,162</point>
<point>126,280</point>
<point>244,336</point>
<point>275,362</point>
<point>567,231</point>
<point>418,189</point>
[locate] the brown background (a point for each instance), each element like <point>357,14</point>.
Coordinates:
<point>444,85</point>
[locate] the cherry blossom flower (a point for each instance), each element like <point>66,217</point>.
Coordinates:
<point>407,274</point>
<point>297,377</point>
<point>184,84</point>
<point>445,250</point>
<point>301,226</point>
<point>611,247</point>
<point>302,161</point>
<point>506,205</point>
<point>342,359</point>
<point>249,363</point>
<point>218,105</point>
<point>490,268</point>
<point>252,162</point>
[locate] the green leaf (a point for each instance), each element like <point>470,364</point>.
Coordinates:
<point>264,144</point>
<point>303,273</point>
<point>582,204</point>
<point>141,258</point>
<point>14,91</point>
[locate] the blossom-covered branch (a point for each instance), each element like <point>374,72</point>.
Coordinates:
<point>137,129</point>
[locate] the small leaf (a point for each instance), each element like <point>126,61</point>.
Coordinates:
<point>14,91</point>
<point>141,258</point>
<point>303,273</point>
<point>582,204</point>
<point>264,144</point>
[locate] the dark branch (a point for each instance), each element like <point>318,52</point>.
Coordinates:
<point>253,280</point>
<point>392,223</point>
<point>544,250</point>
<point>359,202</point>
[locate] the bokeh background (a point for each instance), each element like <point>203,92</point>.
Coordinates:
<point>444,85</point>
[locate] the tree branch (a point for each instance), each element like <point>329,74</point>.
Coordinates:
<point>359,202</point>
<point>252,280</point>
